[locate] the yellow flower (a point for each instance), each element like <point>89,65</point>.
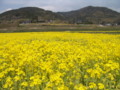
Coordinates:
<point>35,80</point>
<point>62,87</point>
<point>25,84</point>
<point>80,87</point>
<point>17,78</point>
<point>58,60</point>
<point>8,82</point>
<point>101,86</point>
<point>92,85</point>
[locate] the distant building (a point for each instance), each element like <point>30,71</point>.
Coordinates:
<point>25,22</point>
<point>40,20</point>
<point>108,24</point>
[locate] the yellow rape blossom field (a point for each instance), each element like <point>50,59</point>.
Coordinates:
<point>59,61</point>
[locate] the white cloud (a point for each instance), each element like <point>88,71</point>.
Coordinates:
<point>8,9</point>
<point>48,8</point>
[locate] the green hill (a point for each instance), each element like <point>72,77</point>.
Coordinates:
<point>92,14</point>
<point>32,14</point>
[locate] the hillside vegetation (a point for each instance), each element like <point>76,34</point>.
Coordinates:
<point>28,15</point>
<point>92,14</point>
<point>88,14</point>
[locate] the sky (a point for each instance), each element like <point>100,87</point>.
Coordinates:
<point>58,5</point>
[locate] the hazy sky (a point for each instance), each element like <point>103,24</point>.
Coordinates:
<point>58,5</point>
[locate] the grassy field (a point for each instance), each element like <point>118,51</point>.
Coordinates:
<point>59,61</point>
<point>60,28</point>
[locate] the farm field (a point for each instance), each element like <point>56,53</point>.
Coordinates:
<point>60,28</point>
<point>59,61</point>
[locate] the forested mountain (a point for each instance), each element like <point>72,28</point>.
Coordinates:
<point>88,14</point>
<point>32,14</point>
<point>92,14</point>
